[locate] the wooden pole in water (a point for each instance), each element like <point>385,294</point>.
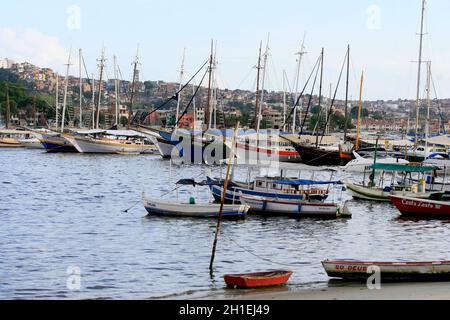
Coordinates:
<point>222,202</point>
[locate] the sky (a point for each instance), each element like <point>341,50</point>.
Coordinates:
<point>382,35</point>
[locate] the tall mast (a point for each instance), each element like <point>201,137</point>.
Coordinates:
<point>208,103</point>
<point>257,87</point>
<point>66,86</point>
<point>179,88</point>
<point>116,85</point>
<point>358,130</point>
<point>266,56</point>
<point>214,89</point>
<point>8,108</point>
<point>300,54</point>
<point>427,123</point>
<point>57,102</point>
<point>331,106</point>
<point>93,102</point>
<point>346,95</point>
<point>284,99</point>
<point>419,71</point>
<point>133,87</point>
<point>81,88</point>
<point>102,66</point>
<point>320,95</point>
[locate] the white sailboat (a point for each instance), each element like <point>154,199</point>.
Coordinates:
<point>360,164</point>
<point>111,142</point>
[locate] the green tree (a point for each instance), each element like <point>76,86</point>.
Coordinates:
<point>355,110</point>
<point>123,121</point>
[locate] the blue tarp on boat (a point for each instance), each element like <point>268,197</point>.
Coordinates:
<point>301,182</point>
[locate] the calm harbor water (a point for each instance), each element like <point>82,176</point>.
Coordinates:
<point>59,211</point>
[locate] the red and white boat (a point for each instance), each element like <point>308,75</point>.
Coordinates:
<point>258,280</point>
<point>421,208</point>
<point>393,271</point>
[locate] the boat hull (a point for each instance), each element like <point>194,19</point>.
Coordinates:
<point>86,145</point>
<point>389,271</point>
<point>320,157</point>
<point>10,143</point>
<point>193,149</point>
<point>166,209</point>
<point>57,143</point>
<point>298,209</point>
<point>377,194</point>
<point>258,280</point>
<point>411,207</point>
<point>32,144</point>
<point>252,154</point>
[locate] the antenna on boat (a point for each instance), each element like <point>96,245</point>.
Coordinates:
<point>222,202</point>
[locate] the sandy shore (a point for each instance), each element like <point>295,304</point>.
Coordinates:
<point>403,291</point>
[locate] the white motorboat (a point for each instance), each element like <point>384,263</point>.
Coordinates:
<point>359,164</point>
<point>193,210</point>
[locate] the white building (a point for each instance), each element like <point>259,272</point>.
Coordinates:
<point>6,63</point>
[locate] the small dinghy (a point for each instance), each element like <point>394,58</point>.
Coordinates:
<point>258,280</point>
<point>193,210</point>
<point>389,271</point>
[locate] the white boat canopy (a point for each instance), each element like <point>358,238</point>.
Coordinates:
<point>440,140</point>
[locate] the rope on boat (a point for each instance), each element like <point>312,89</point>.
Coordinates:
<point>265,259</point>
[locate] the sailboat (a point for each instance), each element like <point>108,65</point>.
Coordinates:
<point>314,154</point>
<point>55,141</point>
<point>192,146</point>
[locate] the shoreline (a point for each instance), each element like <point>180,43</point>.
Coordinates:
<point>389,291</point>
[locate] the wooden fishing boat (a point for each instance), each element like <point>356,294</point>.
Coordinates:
<point>11,138</point>
<point>412,207</point>
<point>295,208</point>
<point>318,156</point>
<point>110,142</point>
<point>193,210</point>
<point>258,280</point>
<point>390,271</point>
<point>370,191</point>
<point>56,143</point>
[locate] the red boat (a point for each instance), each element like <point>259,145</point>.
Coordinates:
<point>412,207</point>
<point>258,280</point>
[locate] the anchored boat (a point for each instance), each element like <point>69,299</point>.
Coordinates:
<point>110,142</point>
<point>412,207</point>
<point>370,191</point>
<point>193,210</point>
<point>258,280</point>
<point>389,271</point>
<point>297,209</point>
